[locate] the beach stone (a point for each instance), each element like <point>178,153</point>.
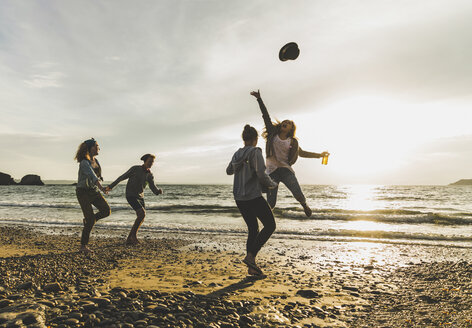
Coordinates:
<point>428,299</point>
<point>89,307</point>
<point>160,309</point>
<point>25,285</point>
<point>48,303</point>
<point>308,293</point>
<point>52,287</point>
<point>101,301</point>
<point>352,289</point>
<point>6,302</point>
<point>32,318</point>
<point>127,325</point>
<point>15,296</point>
<point>76,315</point>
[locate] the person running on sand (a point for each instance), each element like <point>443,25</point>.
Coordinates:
<point>88,189</point>
<point>248,168</point>
<point>282,151</point>
<point>138,177</point>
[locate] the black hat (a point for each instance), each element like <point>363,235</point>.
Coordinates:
<point>289,51</point>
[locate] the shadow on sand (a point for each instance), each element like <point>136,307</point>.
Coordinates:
<point>241,284</point>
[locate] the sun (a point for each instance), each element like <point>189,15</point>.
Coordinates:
<point>368,136</point>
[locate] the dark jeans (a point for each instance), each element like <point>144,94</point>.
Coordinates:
<point>251,210</point>
<point>87,198</point>
<point>283,174</point>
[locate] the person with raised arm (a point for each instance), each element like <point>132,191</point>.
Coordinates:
<point>88,189</point>
<point>282,151</point>
<point>138,177</point>
<point>247,165</point>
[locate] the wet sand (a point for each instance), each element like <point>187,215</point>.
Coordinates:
<point>173,280</point>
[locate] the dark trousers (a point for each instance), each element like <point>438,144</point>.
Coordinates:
<point>288,178</point>
<point>251,210</point>
<point>87,198</point>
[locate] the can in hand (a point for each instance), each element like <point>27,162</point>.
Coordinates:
<point>324,161</point>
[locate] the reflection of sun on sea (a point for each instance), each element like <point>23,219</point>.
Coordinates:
<point>360,197</point>
<point>363,198</point>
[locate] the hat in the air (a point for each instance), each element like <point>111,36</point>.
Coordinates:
<point>289,51</point>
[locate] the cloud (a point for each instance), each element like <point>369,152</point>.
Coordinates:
<point>173,77</point>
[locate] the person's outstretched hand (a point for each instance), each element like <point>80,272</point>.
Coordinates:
<point>256,94</point>
<point>325,153</point>
<point>160,191</point>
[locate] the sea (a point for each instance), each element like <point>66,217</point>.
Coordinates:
<point>378,213</point>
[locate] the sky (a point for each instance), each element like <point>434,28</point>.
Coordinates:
<point>384,86</point>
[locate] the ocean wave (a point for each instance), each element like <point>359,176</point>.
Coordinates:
<point>389,216</point>
<point>330,234</point>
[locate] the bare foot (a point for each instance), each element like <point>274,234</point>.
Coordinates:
<point>132,241</point>
<point>252,265</point>
<point>250,258</point>
<point>253,272</point>
<point>307,210</point>
<point>84,249</point>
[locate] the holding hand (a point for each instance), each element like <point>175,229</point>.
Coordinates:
<point>160,191</point>
<point>104,190</point>
<point>325,153</point>
<point>256,94</point>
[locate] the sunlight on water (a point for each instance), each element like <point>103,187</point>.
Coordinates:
<point>365,254</point>
<point>367,226</point>
<point>361,197</point>
<point>441,214</point>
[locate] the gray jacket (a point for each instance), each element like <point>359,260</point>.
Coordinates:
<point>87,178</point>
<point>248,168</point>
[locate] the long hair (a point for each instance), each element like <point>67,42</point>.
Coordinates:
<point>82,153</point>
<point>278,126</point>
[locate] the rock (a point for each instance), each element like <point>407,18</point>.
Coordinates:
<point>32,318</point>
<point>428,299</point>
<point>352,289</point>
<point>76,315</point>
<point>5,303</point>
<point>462,182</point>
<point>6,180</point>
<point>89,307</point>
<point>161,310</point>
<point>25,285</point>
<point>71,322</point>
<point>246,319</point>
<point>52,287</point>
<point>48,303</point>
<point>308,293</point>
<point>101,301</point>
<point>31,180</point>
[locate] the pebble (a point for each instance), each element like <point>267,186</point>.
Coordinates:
<point>52,287</point>
<point>308,293</point>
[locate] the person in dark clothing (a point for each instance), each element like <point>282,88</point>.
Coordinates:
<point>282,151</point>
<point>88,189</point>
<point>138,177</point>
<point>247,165</point>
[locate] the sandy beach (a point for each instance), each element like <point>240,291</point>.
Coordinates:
<point>198,281</point>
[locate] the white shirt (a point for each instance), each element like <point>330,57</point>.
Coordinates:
<point>279,157</point>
